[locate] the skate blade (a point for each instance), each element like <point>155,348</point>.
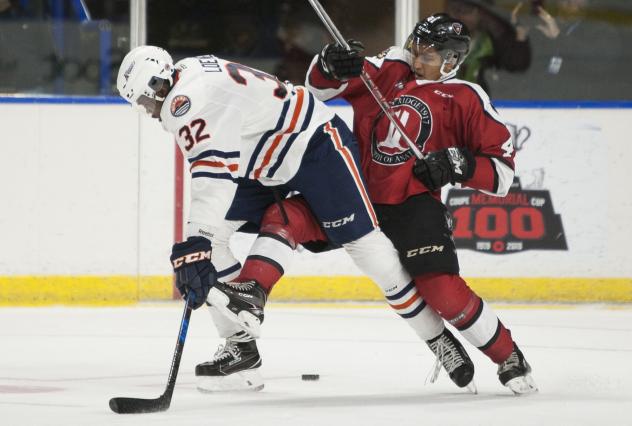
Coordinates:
<point>524,385</point>
<point>244,319</point>
<point>242,381</point>
<point>471,387</point>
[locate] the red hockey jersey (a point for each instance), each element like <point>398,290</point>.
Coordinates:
<point>435,114</point>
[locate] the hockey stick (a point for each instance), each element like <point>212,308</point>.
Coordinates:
<point>366,79</point>
<point>124,405</point>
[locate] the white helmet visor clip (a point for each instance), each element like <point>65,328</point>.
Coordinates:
<point>152,105</point>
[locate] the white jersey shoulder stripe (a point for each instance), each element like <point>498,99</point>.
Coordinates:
<point>392,54</point>
<point>482,97</point>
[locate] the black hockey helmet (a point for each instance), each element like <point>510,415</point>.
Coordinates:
<point>448,36</point>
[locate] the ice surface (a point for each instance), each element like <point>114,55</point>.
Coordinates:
<point>60,366</point>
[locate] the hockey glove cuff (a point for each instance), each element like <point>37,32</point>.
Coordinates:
<point>337,63</point>
<point>194,271</point>
<point>449,165</point>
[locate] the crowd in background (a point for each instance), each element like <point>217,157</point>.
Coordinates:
<point>521,49</point>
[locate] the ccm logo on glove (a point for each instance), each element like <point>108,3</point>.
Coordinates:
<point>195,274</point>
<point>191,258</point>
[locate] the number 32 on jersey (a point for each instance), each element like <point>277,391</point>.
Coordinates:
<point>193,133</point>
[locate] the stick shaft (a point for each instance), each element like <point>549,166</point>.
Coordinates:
<point>177,355</point>
<point>366,79</point>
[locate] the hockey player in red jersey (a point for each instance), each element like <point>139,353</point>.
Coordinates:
<point>465,143</point>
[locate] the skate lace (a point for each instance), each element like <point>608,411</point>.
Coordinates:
<point>447,356</point>
<point>512,362</point>
<point>225,351</point>
<point>241,286</point>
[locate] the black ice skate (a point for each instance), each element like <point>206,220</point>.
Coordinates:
<point>241,302</point>
<point>233,367</point>
<point>452,356</point>
<point>515,373</point>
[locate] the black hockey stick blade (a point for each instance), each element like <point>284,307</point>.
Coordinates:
<point>123,405</point>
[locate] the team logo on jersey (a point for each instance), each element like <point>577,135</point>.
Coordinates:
<point>180,105</point>
<point>387,145</point>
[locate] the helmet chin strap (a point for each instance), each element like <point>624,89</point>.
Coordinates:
<point>447,74</point>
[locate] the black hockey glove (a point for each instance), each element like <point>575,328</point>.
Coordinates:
<point>338,63</point>
<point>194,271</point>
<point>449,165</point>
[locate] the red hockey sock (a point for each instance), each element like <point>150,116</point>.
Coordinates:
<point>262,271</point>
<point>450,296</point>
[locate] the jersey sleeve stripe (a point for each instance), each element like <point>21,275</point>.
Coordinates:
<point>348,159</point>
<point>323,93</point>
<point>214,153</point>
<point>505,176</point>
<point>495,186</point>
<point>488,108</point>
<point>218,164</point>
<point>373,64</point>
<point>490,112</point>
<point>504,161</point>
<point>288,144</point>
<point>225,176</point>
<point>400,61</point>
<point>277,140</point>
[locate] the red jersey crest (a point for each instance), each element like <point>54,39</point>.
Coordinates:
<point>387,145</point>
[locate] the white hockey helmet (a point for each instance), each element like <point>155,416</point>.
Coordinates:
<point>145,70</point>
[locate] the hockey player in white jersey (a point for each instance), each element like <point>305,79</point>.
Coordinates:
<point>245,135</point>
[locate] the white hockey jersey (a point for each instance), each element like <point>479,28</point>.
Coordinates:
<point>232,121</point>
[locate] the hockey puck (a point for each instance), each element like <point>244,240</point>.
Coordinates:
<point>310,377</point>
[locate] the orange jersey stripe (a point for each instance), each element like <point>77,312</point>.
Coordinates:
<point>407,303</point>
<point>277,139</point>
<point>351,164</point>
<point>231,167</point>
